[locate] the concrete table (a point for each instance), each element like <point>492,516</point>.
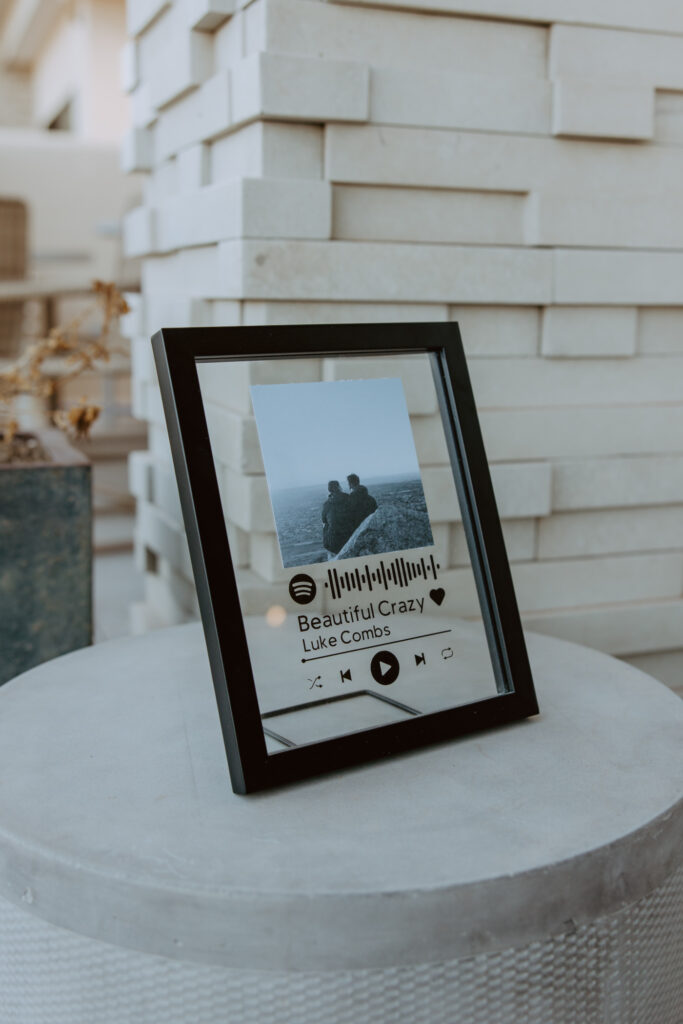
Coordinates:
<point>532,874</point>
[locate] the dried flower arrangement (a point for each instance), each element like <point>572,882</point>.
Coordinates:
<point>27,375</point>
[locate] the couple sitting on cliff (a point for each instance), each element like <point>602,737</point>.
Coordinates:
<point>343,513</point>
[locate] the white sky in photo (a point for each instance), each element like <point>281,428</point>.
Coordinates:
<point>312,433</point>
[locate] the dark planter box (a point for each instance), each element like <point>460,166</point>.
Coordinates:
<point>45,557</point>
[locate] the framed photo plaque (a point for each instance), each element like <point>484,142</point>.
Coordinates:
<point>350,566</point>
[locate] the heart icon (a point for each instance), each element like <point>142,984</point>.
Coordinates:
<point>437,595</point>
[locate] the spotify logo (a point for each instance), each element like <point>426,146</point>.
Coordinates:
<point>302,588</point>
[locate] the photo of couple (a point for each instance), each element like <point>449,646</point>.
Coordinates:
<point>343,512</point>
<point>309,430</point>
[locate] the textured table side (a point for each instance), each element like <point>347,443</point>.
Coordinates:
<point>534,873</point>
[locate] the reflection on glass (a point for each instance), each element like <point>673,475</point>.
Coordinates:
<point>345,528</point>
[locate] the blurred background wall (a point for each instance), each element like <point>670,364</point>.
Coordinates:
<point>515,165</point>
<point>63,193</point>
<point>62,118</point>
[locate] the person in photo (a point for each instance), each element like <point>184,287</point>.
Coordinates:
<point>310,431</point>
<point>361,503</point>
<point>338,522</point>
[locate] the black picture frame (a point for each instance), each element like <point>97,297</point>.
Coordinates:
<point>252,768</point>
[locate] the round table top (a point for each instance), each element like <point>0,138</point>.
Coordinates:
<point>117,819</point>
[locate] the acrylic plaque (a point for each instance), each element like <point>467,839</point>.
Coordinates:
<point>350,566</point>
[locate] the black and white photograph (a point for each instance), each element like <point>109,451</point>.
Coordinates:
<point>342,469</point>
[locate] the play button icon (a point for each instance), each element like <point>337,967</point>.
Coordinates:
<point>385,668</point>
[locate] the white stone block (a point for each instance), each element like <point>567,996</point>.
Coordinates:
<point>265,558</point>
<point>256,313</point>
<point>399,39</point>
<point>621,278</point>
<point>611,531</point>
<point>214,112</point>
<point>230,388</point>
<point>137,400</point>
<point>247,208</point>
<point>447,99</point>
<point>177,126</point>
<point>573,582</point>
<point>201,217</point>
<point>166,309</point>
<point>225,313</point>
<point>656,16</point>
<point>136,151</point>
<point>206,15</point>
<point>498,330</point>
<point>520,542</point>
<point>157,38</point>
<point>621,629</point>
<point>618,55</point>
<point>129,66</point>
<point>142,113</point>
<point>599,108</point>
<point>431,158</point>
<point>181,589</point>
<point>522,491</point>
<point>639,221</point>
<point>239,154</point>
<point>132,323</point>
<point>193,167</point>
<point>275,371</point>
<point>165,488</point>
<point>430,440</point>
<point>368,271</point>
<point>239,545</point>
<point>519,383</point>
<point>299,89</point>
<point>192,273</point>
<point>246,501</point>
<point>604,483</point>
<point>141,13</point>
<point>414,371</point>
<point>139,231</point>
<point>585,331</point>
<point>140,475</point>
<point>285,208</point>
<point>157,441</point>
<point>269,149</point>
<point>162,182</point>
<point>160,533</point>
<point>427,215</point>
<point>428,158</point>
<point>228,42</point>
<point>154,411</point>
<point>588,431</point>
<point>234,440</point>
<point>660,331</point>
<point>200,116</point>
<point>185,62</point>
<point>142,360</point>
<point>669,117</point>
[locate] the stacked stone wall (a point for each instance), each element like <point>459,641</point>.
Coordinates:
<point>516,165</point>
